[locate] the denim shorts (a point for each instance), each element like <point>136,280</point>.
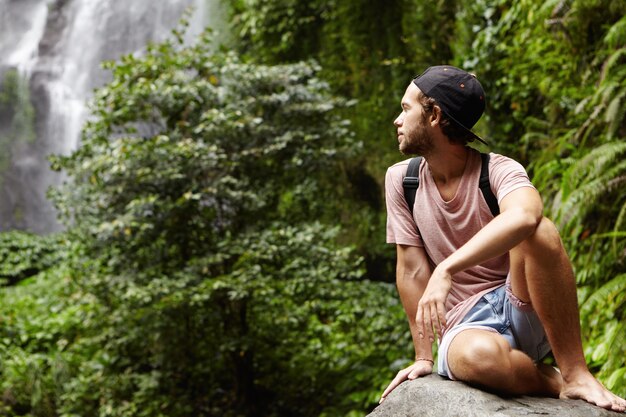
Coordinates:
<point>501,312</point>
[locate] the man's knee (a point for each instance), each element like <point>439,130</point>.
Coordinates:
<point>546,239</point>
<point>473,355</point>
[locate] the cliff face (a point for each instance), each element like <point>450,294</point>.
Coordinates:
<point>438,397</point>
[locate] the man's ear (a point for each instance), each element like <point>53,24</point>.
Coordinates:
<point>435,116</point>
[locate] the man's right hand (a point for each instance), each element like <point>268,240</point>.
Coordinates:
<point>419,368</point>
<point>431,309</point>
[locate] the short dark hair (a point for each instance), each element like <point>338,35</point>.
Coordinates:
<point>455,132</point>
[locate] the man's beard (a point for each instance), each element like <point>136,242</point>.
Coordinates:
<point>416,142</point>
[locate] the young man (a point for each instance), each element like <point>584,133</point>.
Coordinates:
<point>499,292</point>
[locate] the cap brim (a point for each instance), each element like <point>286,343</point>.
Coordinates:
<point>468,130</point>
<point>479,138</point>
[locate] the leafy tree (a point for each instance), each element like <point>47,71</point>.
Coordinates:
<point>189,147</point>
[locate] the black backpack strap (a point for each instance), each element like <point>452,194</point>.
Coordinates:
<point>485,186</point>
<point>411,181</point>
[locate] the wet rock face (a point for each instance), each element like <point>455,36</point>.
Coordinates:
<point>434,396</point>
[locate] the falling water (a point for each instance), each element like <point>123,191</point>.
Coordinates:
<point>50,56</point>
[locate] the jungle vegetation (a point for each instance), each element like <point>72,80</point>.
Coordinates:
<point>224,248</point>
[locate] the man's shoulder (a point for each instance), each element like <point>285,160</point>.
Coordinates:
<point>499,156</point>
<point>399,167</point>
<point>502,161</point>
<point>404,162</point>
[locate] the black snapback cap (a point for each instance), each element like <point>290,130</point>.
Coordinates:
<point>458,93</point>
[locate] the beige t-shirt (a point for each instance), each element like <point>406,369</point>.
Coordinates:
<point>445,226</point>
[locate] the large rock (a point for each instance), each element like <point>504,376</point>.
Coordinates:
<point>438,397</point>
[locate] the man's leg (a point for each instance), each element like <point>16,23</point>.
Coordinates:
<point>485,358</point>
<point>542,274</point>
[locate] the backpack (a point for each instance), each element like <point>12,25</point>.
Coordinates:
<point>411,182</point>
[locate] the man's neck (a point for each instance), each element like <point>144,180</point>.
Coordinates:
<point>448,164</point>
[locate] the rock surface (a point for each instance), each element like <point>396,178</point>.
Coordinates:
<point>439,397</point>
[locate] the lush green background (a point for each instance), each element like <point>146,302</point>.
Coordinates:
<point>224,252</point>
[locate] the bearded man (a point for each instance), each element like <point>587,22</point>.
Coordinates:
<point>498,292</point>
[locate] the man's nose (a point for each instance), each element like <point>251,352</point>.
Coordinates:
<point>398,121</point>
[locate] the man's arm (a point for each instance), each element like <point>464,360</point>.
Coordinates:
<point>412,275</point>
<point>520,213</point>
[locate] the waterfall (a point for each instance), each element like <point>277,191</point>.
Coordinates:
<point>50,56</point>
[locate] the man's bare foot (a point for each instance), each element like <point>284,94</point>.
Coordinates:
<point>586,387</point>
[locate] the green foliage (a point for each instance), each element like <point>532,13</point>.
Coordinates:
<point>45,323</point>
<point>198,197</point>
<point>15,105</point>
<point>16,114</point>
<point>368,51</point>
<point>604,313</point>
<point>218,337</point>
<point>205,201</point>
<point>189,147</point>
<point>23,255</point>
<point>590,207</point>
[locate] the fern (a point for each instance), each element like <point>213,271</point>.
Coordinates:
<point>590,182</point>
<point>613,291</point>
<point>616,35</point>
<point>619,223</point>
<point>603,317</point>
<point>593,164</point>
<point>615,113</point>
<point>589,203</point>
